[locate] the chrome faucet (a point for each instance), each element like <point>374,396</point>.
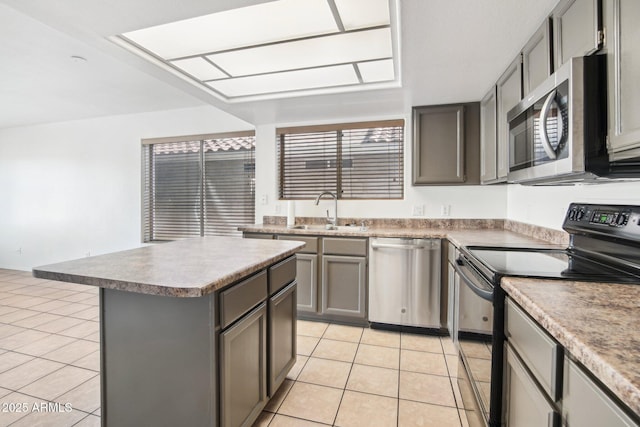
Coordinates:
<point>331,222</point>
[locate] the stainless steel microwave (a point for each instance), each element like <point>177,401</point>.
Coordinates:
<point>557,134</point>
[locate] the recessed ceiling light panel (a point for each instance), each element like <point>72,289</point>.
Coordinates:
<point>278,47</point>
<point>288,81</point>
<point>376,71</point>
<point>363,13</point>
<point>199,68</point>
<point>316,52</point>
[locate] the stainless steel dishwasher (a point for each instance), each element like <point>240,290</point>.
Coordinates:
<point>404,282</point>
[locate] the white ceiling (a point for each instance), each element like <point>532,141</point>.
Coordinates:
<point>451,51</point>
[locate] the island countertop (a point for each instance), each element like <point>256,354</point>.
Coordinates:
<point>596,322</point>
<point>184,268</point>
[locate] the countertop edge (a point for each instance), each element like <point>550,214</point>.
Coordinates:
<point>164,290</point>
<point>618,383</point>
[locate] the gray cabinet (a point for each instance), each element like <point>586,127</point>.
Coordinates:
<point>243,369</point>
<point>307,278</point>
<point>508,94</point>
<point>537,61</point>
<point>344,286</point>
<point>577,29</point>
<point>582,392</point>
<point>331,277</point>
<point>623,59</point>
<point>438,145</point>
<point>525,405</point>
<point>488,141</point>
<point>282,335</point>
<point>307,271</point>
<point>531,372</point>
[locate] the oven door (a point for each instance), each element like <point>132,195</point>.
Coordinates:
<point>478,378</point>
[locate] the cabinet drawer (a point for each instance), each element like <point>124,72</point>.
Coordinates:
<point>240,298</point>
<point>338,246</point>
<point>581,392</point>
<point>541,353</point>
<point>311,243</point>
<point>282,274</point>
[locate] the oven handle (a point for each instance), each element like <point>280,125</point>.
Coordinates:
<point>482,293</point>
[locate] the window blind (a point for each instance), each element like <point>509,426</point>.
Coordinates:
<point>198,188</point>
<point>356,160</point>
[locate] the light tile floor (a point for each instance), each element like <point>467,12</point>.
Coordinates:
<point>345,376</point>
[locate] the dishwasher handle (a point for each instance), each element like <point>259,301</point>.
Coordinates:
<point>398,246</point>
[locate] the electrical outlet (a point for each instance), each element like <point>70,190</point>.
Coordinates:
<point>418,210</point>
<point>445,210</point>
<point>278,208</point>
<point>264,199</point>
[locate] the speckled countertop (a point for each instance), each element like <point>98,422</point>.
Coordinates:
<point>598,323</point>
<point>458,236</point>
<point>184,268</point>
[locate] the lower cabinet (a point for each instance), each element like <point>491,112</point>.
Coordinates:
<point>543,386</point>
<point>282,336</point>
<point>525,405</point>
<point>344,285</point>
<point>243,369</point>
<point>307,277</point>
<point>580,392</point>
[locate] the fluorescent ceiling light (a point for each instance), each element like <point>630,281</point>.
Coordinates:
<point>278,47</point>
<point>263,23</point>
<point>363,13</point>
<point>199,68</point>
<point>338,49</point>
<point>288,81</point>
<point>376,71</point>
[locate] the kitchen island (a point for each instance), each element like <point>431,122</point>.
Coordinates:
<point>194,332</point>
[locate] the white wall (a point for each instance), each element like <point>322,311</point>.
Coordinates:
<point>546,206</point>
<point>71,189</point>
<point>464,201</point>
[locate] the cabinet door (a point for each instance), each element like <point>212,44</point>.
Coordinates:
<point>509,93</point>
<point>243,369</point>
<point>307,278</point>
<point>488,152</point>
<point>525,405</point>
<point>577,29</point>
<point>623,51</point>
<point>282,336</point>
<point>536,58</point>
<point>580,392</point>
<point>438,145</point>
<point>344,286</point>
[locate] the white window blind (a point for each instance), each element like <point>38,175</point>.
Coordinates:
<point>199,187</point>
<point>354,160</point>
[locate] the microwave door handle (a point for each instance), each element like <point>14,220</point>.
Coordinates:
<point>544,135</point>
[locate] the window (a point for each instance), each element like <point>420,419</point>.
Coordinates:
<point>353,160</point>
<point>198,186</point>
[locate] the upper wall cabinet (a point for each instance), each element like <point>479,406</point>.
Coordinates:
<point>446,144</point>
<point>577,29</point>
<point>488,147</point>
<point>537,61</point>
<point>508,94</point>
<point>623,59</point>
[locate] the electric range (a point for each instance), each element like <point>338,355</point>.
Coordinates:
<point>604,247</point>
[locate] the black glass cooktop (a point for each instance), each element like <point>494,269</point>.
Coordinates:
<point>548,263</point>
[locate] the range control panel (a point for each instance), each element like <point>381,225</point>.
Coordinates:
<point>613,220</point>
